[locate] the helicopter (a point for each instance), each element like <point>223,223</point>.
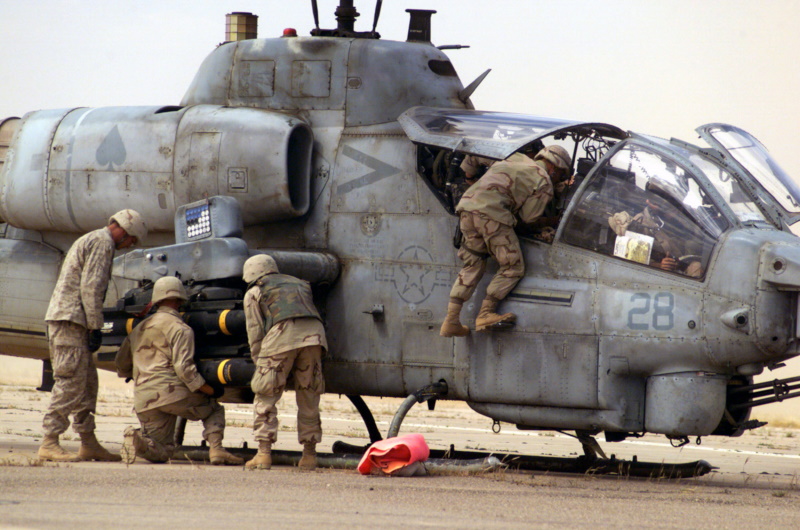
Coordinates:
<point>338,154</point>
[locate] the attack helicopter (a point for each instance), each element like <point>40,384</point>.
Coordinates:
<point>668,277</point>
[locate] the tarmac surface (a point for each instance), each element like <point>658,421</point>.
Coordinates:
<point>757,483</point>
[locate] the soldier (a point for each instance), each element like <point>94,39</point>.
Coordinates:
<point>74,318</point>
<point>517,187</point>
<point>474,167</point>
<point>159,356</point>
<point>286,336</point>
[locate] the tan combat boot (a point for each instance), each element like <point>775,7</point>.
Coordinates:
<point>308,461</point>
<point>129,443</point>
<point>218,455</point>
<point>452,327</point>
<point>487,317</point>
<point>263,458</point>
<point>52,452</point>
<point>92,450</point>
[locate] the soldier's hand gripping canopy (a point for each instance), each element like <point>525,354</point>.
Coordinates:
<point>556,155</point>
<point>258,266</point>
<point>131,222</point>
<point>168,287</point>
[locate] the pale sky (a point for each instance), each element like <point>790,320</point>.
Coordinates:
<point>655,67</point>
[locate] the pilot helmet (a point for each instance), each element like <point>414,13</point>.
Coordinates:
<point>257,266</point>
<point>131,222</point>
<point>556,155</point>
<point>168,287</point>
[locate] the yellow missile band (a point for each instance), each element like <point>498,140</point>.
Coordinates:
<point>129,326</point>
<point>222,327</point>
<point>221,371</point>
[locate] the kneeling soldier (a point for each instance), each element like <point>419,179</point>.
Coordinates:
<point>158,354</point>
<point>286,336</point>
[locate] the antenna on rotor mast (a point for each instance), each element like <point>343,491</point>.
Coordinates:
<point>315,10</point>
<point>377,15</point>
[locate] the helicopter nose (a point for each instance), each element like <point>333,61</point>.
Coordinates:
<point>779,265</point>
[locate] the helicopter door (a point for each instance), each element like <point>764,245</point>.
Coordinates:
<point>751,157</point>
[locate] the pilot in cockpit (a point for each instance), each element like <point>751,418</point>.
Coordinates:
<point>659,235</point>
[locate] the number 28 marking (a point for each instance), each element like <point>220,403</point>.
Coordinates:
<point>661,317</point>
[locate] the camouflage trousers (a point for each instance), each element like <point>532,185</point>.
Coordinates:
<point>75,388</point>
<point>484,237</point>
<point>156,441</point>
<point>269,382</point>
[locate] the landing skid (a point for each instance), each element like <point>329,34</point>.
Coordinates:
<point>347,456</point>
<point>581,464</point>
<point>593,461</point>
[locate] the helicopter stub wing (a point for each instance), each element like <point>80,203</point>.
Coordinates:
<point>486,133</point>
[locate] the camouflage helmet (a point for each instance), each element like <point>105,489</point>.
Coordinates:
<point>131,222</point>
<point>556,155</point>
<point>168,287</point>
<point>257,266</point>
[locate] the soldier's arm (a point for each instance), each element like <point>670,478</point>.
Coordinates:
<point>533,207</point>
<point>124,360</point>
<point>94,281</point>
<point>255,324</point>
<point>182,343</point>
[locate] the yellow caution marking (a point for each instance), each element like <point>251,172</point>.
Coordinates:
<point>129,326</point>
<point>222,327</point>
<point>221,371</point>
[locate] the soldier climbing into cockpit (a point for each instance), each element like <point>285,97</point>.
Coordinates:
<point>516,188</point>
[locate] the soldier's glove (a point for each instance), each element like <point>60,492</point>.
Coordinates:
<point>95,340</point>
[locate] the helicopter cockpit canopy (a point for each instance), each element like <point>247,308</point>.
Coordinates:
<point>640,205</point>
<point>751,157</point>
<point>495,135</point>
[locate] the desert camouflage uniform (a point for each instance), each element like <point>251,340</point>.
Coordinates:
<point>473,164</point>
<point>514,188</point>
<point>75,308</point>
<point>286,336</point>
<point>158,354</point>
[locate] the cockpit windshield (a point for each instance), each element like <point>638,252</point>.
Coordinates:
<point>745,209</point>
<point>643,207</point>
<point>755,159</point>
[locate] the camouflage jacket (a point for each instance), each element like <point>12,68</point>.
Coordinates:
<point>159,355</point>
<point>472,165</point>
<point>513,188</point>
<point>281,316</point>
<point>81,287</point>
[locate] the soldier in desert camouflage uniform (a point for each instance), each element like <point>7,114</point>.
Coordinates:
<point>474,166</point>
<point>74,318</point>
<point>286,336</point>
<point>159,356</point>
<point>515,188</point>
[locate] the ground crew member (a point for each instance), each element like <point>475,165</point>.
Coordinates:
<point>74,318</point>
<point>515,188</point>
<point>474,166</point>
<point>159,356</point>
<point>286,336</point>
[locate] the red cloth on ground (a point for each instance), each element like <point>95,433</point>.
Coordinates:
<point>394,453</point>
